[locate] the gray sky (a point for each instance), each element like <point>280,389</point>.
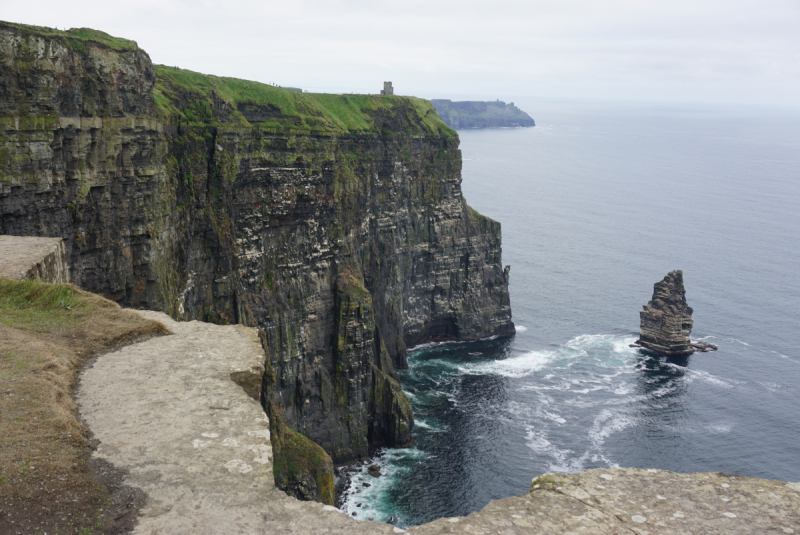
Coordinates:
<point>677,50</point>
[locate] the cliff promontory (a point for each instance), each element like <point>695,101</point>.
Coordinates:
<point>479,114</point>
<point>335,224</point>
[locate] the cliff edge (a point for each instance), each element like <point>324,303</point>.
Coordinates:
<point>335,224</point>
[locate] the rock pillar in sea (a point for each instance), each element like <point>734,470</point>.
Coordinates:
<point>666,321</point>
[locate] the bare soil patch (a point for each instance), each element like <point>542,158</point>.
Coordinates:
<point>47,482</point>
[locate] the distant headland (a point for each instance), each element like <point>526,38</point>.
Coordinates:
<point>478,114</point>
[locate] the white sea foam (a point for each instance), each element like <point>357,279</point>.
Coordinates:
<point>692,375</point>
<point>520,328</point>
<point>520,366</point>
<point>370,503</point>
<point>418,422</point>
<point>607,423</point>
<point>597,346</point>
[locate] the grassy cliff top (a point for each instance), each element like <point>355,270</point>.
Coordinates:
<point>186,97</point>
<point>74,37</point>
<point>200,99</point>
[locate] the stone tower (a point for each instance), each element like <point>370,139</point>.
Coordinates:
<point>387,89</point>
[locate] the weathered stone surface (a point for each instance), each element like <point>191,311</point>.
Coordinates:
<point>42,259</point>
<point>167,411</point>
<point>227,221</point>
<point>629,500</point>
<point>666,321</point>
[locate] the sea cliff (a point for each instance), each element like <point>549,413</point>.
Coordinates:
<point>335,224</point>
<point>480,114</point>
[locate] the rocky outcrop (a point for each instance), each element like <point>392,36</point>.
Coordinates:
<point>630,500</point>
<point>41,259</point>
<point>666,321</point>
<point>336,224</point>
<point>478,114</point>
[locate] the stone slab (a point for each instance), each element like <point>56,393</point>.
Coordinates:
<point>25,257</point>
<point>637,501</point>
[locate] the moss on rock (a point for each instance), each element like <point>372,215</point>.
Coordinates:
<point>300,466</point>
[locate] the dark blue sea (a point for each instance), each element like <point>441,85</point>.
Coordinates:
<point>597,203</point>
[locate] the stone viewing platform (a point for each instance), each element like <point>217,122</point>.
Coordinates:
<point>168,413</point>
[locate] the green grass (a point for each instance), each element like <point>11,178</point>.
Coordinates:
<point>39,306</point>
<point>183,95</point>
<point>546,479</point>
<point>75,36</point>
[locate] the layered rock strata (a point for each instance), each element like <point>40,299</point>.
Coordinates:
<point>666,321</point>
<point>336,224</point>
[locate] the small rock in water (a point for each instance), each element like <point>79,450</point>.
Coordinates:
<point>358,505</point>
<point>413,391</point>
<point>366,484</point>
<point>374,470</point>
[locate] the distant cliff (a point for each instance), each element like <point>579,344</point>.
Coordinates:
<point>476,114</point>
<point>336,224</point>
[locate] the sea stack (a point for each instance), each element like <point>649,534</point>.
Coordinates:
<point>666,321</point>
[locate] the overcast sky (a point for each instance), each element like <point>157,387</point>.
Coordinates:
<point>678,50</point>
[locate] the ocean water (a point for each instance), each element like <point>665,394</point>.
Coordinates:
<point>598,202</point>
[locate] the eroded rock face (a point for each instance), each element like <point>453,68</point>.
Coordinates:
<point>301,467</point>
<point>666,321</point>
<point>344,248</point>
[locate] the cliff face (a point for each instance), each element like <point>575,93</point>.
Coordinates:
<point>479,114</point>
<point>334,223</point>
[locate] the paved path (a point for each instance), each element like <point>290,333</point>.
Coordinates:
<point>167,411</point>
